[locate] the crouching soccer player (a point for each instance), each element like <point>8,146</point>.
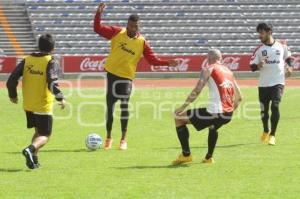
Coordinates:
<point>224,97</point>
<point>40,74</point>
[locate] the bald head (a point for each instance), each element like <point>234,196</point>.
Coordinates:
<point>214,55</point>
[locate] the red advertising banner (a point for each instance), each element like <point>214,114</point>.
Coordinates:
<point>77,64</point>
<point>7,64</point>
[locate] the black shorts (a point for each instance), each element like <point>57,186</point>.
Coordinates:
<point>43,123</point>
<point>202,119</point>
<point>118,87</point>
<point>272,93</point>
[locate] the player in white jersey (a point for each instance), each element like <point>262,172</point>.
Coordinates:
<point>224,97</point>
<point>273,61</point>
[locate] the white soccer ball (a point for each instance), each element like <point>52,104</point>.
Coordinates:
<point>93,141</point>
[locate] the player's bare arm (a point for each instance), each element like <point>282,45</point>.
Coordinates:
<point>62,104</point>
<point>204,76</point>
<point>289,67</point>
<point>237,95</point>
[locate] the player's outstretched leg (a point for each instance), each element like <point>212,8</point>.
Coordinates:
<point>183,136</point>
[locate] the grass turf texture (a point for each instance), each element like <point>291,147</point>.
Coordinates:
<point>244,168</point>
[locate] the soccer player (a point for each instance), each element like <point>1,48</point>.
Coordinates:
<point>273,61</point>
<point>39,83</point>
<point>224,98</point>
<point>127,48</point>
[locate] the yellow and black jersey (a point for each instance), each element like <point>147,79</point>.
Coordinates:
<point>39,84</point>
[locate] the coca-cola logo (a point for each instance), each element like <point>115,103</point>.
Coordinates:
<point>183,65</point>
<point>233,63</point>
<point>88,64</point>
<point>296,62</point>
<point>1,64</point>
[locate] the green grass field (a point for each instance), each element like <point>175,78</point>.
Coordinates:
<point>244,167</point>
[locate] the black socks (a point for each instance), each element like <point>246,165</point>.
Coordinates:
<point>183,136</point>
<point>31,148</point>
<point>212,140</point>
<point>274,117</point>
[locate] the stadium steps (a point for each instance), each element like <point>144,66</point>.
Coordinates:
<point>20,25</point>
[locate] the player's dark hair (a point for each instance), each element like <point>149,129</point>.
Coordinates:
<point>46,43</point>
<point>134,17</point>
<point>264,27</point>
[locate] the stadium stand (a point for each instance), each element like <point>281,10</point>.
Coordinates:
<point>184,27</point>
<point>16,36</point>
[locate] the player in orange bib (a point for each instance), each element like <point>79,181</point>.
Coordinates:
<point>127,48</point>
<point>224,98</point>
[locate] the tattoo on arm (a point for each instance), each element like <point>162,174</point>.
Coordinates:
<point>204,76</point>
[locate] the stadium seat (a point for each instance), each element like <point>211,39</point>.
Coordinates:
<point>186,27</point>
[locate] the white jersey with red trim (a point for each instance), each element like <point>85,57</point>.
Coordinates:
<point>221,89</point>
<point>273,72</point>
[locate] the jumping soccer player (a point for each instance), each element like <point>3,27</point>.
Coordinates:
<point>270,59</point>
<point>40,74</point>
<point>224,98</point>
<point>127,48</point>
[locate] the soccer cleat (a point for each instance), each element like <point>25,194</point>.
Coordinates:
<point>29,159</point>
<point>208,161</point>
<point>123,145</point>
<point>108,143</point>
<point>272,140</point>
<point>265,137</point>
<point>182,159</point>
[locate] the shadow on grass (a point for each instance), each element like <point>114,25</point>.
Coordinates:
<point>204,147</point>
<point>55,151</point>
<point>10,170</point>
<point>155,166</point>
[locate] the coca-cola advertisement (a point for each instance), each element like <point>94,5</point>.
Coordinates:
<point>7,64</point>
<point>185,64</point>
<point>189,64</point>
<point>75,64</point>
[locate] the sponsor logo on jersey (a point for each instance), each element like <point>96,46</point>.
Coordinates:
<point>226,84</point>
<point>273,61</point>
<point>34,72</point>
<point>122,45</point>
<point>277,52</point>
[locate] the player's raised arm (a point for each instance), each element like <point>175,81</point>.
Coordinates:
<point>13,81</point>
<point>105,31</point>
<point>154,60</point>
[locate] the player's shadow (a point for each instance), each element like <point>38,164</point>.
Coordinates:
<point>65,151</point>
<point>204,147</point>
<point>155,166</point>
<point>55,151</point>
<point>6,170</point>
